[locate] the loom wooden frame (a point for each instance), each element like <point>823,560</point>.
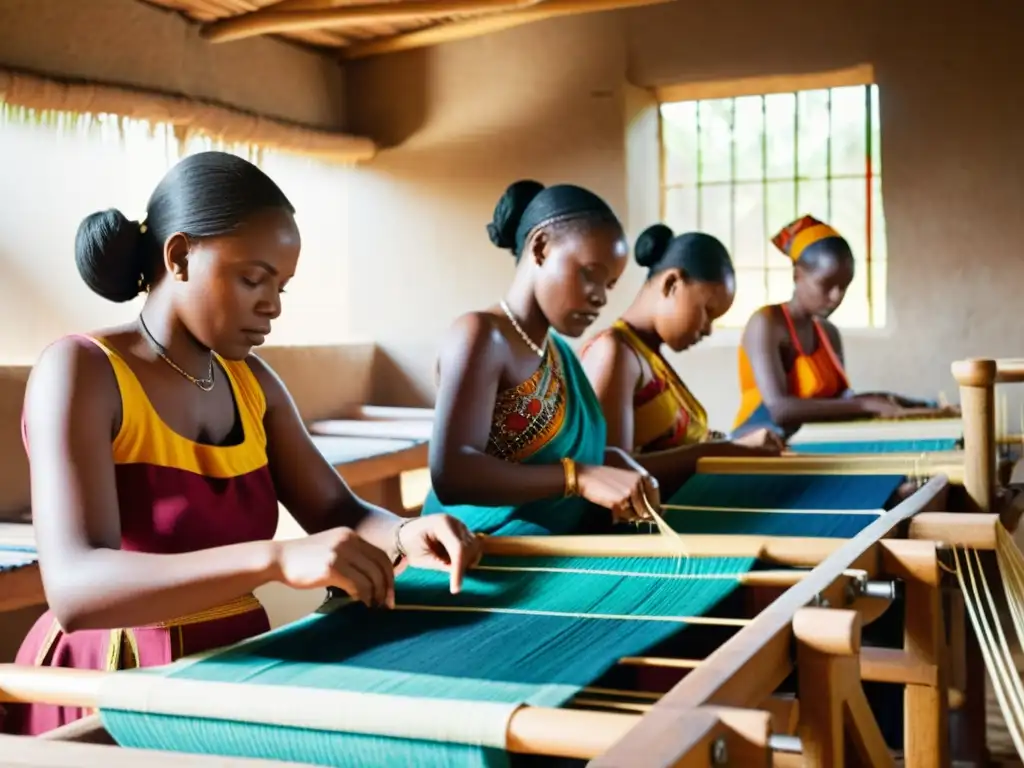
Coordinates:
<point>922,665</point>
<point>977,379</point>
<point>730,711</point>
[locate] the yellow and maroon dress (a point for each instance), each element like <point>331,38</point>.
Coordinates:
<point>666,414</point>
<point>175,496</point>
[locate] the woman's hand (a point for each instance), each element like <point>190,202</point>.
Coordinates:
<point>623,491</point>
<point>764,442</point>
<point>879,405</point>
<point>338,558</point>
<point>440,543</point>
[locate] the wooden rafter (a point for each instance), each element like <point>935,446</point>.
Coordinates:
<point>461,30</point>
<point>274,21</point>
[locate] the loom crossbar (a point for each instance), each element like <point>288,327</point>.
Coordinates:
<point>529,730</point>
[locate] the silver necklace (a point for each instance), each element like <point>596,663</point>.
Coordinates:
<point>522,334</point>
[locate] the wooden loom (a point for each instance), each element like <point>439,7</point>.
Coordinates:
<point>722,713</point>
<point>698,723</point>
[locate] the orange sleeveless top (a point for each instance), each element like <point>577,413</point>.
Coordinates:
<point>819,374</point>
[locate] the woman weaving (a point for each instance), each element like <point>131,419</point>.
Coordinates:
<point>791,357</point>
<point>650,412</point>
<point>519,438</point>
<point>160,449</point>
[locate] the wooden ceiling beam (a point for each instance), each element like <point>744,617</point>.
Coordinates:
<point>288,6</point>
<point>271,21</point>
<point>462,30</point>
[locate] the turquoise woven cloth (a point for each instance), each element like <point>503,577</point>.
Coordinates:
<point>541,659</point>
<point>711,492</point>
<point>537,659</point>
<point>930,445</point>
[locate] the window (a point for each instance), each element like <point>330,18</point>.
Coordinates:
<point>741,168</point>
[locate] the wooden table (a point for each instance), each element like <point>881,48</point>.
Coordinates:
<point>20,582</point>
<point>393,429</point>
<point>373,466</point>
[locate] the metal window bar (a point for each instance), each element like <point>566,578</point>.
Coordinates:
<point>766,242</point>
<point>797,178</point>
<point>868,200</point>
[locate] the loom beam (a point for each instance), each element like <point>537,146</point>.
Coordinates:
<point>531,730</point>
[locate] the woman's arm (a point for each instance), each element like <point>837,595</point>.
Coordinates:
<point>306,483</point>
<point>614,372</point>
<point>673,467</point>
<point>762,343</point>
<point>71,407</point>
<point>471,361</point>
<point>320,500</point>
<point>900,401</point>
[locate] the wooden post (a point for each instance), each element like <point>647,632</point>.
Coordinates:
<point>926,707</point>
<point>835,719</point>
<point>976,379</point>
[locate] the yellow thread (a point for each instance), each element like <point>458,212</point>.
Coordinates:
<point>133,647</point>
<point>998,660</point>
<point>666,530</point>
<point>739,576</point>
<point>623,706</point>
<point>236,607</point>
<point>688,508</point>
<point>715,622</point>
<point>650,695</point>
<point>48,642</point>
<point>114,650</point>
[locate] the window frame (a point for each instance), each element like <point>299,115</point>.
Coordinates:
<point>860,75</point>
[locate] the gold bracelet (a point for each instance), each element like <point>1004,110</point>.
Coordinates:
<point>571,489</point>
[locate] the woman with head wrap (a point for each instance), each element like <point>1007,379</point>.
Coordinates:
<point>519,439</point>
<point>650,411</point>
<point>791,356</point>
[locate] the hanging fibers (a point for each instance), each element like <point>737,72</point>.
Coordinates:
<point>780,505</point>
<point>984,616</point>
<point>516,636</point>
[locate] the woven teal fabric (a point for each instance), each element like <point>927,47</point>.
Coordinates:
<point>879,446</point>
<point>796,492</point>
<point>541,660</point>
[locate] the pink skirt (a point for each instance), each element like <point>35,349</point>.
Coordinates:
<point>109,650</point>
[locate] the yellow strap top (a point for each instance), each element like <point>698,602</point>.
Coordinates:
<point>659,415</point>
<point>145,438</point>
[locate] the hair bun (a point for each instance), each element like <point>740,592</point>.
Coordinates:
<point>652,244</point>
<point>107,255</point>
<point>508,213</point>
